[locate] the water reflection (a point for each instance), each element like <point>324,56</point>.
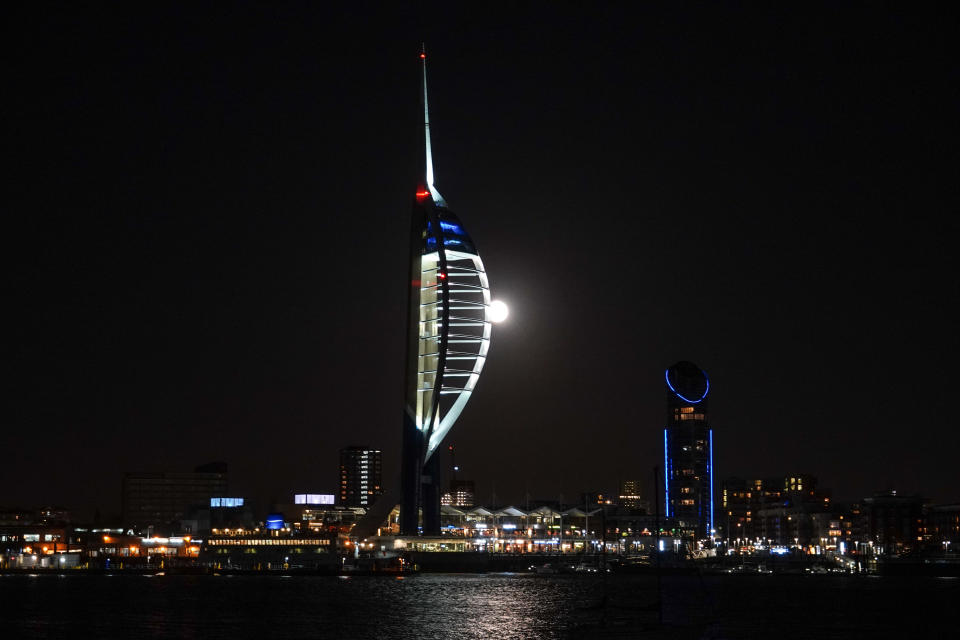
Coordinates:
<point>502,607</point>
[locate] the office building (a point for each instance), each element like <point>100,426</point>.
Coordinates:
<point>461,493</point>
<point>688,451</point>
<point>942,527</point>
<point>163,499</point>
<point>630,495</point>
<point>360,476</point>
<point>895,523</point>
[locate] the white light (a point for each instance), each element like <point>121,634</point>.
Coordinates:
<point>497,311</point>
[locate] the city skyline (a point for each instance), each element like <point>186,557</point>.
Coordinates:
<point>204,220</point>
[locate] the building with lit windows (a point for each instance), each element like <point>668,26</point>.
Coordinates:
<point>786,511</point>
<point>360,476</point>
<point>894,522</point>
<point>942,527</point>
<point>630,496</point>
<point>221,513</point>
<point>462,494</point>
<point>688,451</point>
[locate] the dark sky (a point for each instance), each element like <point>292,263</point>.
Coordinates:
<point>208,215</point>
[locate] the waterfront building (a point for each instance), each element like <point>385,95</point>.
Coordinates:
<point>544,529</point>
<point>361,471</point>
<point>778,510</point>
<point>270,548</point>
<point>942,527</point>
<point>894,522</point>
<point>221,513</point>
<point>688,451</point>
<point>318,512</point>
<point>161,500</point>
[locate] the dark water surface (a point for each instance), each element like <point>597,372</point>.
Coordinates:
<point>501,606</point>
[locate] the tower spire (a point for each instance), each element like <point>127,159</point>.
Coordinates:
<point>437,198</point>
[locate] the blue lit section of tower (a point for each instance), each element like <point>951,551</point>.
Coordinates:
<point>688,451</point>
<point>666,474</point>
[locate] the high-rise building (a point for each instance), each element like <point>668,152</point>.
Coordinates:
<point>162,499</point>
<point>360,476</point>
<point>688,451</point>
<point>462,493</point>
<point>894,522</point>
<point>630,496</point>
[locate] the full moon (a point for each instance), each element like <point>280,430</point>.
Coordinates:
<point>497,311</point>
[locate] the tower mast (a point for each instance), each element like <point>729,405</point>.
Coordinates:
<point>437,198</point>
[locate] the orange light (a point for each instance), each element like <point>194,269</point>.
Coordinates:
<point>423,56</point>
<point>106,538</point>
<point>133,549</point>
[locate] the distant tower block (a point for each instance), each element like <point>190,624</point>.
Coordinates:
<point>630,496</point>
<point>360,476</point>
<point>688,451</point>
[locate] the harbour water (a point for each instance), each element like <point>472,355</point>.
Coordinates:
<point>501,606</point>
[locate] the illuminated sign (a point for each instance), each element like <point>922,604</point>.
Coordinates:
<point>313,498</point>
<point>274,521</point>
<point>226,502</point>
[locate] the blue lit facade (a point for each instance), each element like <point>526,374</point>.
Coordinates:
<point>688,451</point>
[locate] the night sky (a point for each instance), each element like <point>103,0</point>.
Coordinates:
<point>207,240</point>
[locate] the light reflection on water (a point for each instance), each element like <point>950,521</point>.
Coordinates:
<point>499,606</point>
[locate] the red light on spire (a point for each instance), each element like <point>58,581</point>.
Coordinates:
<point>423,193</point>
<point>423,56</point>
